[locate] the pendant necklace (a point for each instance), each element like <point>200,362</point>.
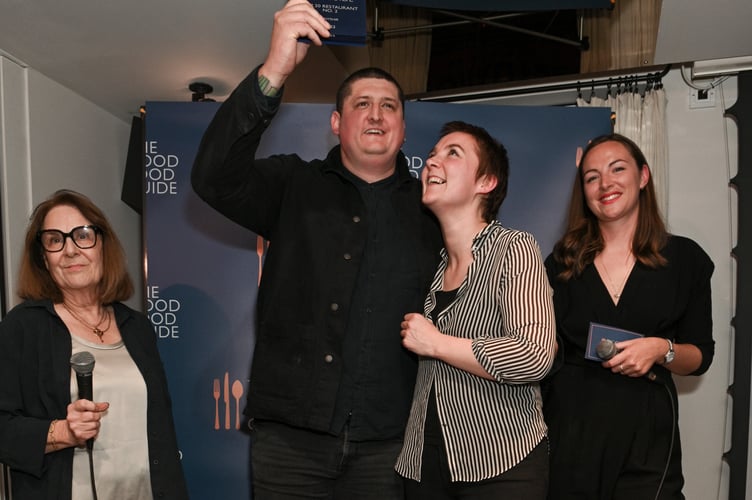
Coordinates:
<point>94,328</point>
<point>614,290</point>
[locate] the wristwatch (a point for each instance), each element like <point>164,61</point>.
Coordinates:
<point>669,356</point>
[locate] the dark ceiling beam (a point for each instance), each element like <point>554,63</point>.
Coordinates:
<point>379,33</point>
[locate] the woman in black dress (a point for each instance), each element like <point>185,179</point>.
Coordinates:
<point>613,422</point>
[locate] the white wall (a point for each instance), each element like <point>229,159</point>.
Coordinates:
<point>52,138</point>
<point>702,157</point>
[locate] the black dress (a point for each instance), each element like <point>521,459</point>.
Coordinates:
<point>611,435</point>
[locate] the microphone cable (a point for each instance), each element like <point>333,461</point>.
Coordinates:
<point>91,472</point>
<point>83,364</point>
<point>673,435</point>
<point>606,349</point>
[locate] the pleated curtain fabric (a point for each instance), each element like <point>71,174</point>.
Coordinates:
<point>642,118</point>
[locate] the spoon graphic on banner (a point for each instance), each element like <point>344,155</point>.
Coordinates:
<point>237,393</point>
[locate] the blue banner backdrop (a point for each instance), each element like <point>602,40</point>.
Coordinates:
<point>203,271</point>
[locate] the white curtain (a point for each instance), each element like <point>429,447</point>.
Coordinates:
<point>642,118</point>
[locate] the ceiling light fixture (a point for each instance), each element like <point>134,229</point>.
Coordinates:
<point>200,90</point>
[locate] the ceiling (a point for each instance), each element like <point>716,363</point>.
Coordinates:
<point>120,55</point>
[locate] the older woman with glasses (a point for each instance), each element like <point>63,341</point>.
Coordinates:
<point>121,442</point>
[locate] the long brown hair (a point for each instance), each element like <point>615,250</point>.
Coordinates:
<point>582,240</point>
<point>35,281</point>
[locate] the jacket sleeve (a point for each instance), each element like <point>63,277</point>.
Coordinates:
<point>23,428</point>
<point>696,325</point>
<point>225,173</point>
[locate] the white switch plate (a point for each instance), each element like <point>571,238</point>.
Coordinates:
<point>697,100</point>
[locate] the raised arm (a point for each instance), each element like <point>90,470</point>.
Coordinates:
<point>298,19</point>
<point>222,173</point>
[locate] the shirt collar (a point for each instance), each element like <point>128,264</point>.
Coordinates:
<point>334,164</point>
<point>480,239</point>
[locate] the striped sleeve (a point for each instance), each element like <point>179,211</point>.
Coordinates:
<point>524,351</point>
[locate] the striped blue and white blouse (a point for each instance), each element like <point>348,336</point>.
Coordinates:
<point>504,305</point>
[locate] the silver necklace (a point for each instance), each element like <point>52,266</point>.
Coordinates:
<point>613,289</point>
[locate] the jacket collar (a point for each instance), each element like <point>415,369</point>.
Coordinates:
<point>334,164</point>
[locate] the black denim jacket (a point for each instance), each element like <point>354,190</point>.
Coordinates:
<point>315,221</point>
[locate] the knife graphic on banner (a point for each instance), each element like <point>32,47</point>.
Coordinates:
<point>227,400</point>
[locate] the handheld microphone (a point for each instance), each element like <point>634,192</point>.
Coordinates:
<point>83,364</point>
<point>606,349</point>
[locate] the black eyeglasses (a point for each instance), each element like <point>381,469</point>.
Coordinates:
<point>53,240</point>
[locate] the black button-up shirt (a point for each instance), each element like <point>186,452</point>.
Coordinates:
<point>377,369</point>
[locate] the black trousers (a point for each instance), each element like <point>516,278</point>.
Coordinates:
<point>528,480</point>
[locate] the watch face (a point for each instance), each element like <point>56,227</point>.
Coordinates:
<point>669,356</point>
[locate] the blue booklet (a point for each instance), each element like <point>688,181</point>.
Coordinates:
<point>598,332</point>
<point>348,20</point>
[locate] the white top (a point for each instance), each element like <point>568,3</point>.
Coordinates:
<point>121,454</point>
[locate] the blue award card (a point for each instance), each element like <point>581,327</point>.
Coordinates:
<point>348,20</point>
<point>598,332</point>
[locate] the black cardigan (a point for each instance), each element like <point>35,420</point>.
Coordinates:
<point>35,350</point>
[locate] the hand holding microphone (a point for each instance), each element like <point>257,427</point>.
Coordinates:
<point>606,349</point>
<point>84,414</point>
